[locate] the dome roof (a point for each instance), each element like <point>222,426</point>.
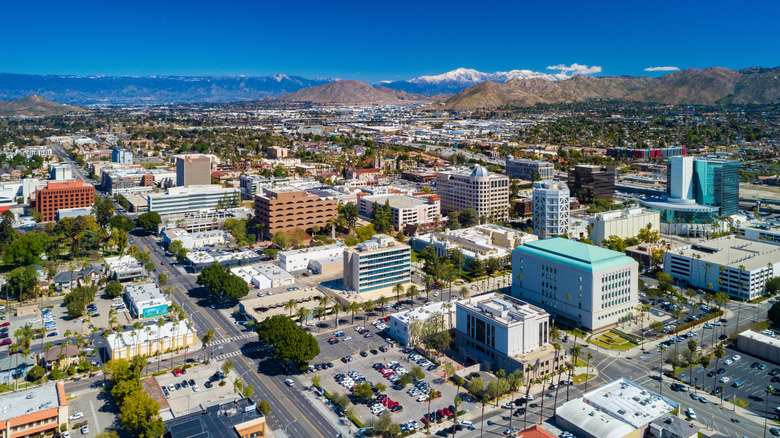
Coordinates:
<point>480,171</point>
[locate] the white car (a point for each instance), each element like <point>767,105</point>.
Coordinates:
<point>724,379</point>
<point>65,434</point>
<point>76,416</point>
<point>347,338</point>
<point>195,388</point>
<point>289,382</point>
<point>171,387</point>
<point>736,357</point>
<point>728,362</point>
<point>84,430</point>
<point>35,321</point>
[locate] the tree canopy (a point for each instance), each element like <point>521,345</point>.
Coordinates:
<point>223,283</point>
<point>773,315</point>
<point>103,210</point>
<point>290,342</point>
<point>149,221</point>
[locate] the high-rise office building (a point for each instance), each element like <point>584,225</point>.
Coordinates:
<point>379,263</point>
<point>485,192</point>
<point>59,195</point>
<point>588,182</point>
<point>551,208</point>
<point>286,209</point>
<point>583,285</point>
<point>122,156</point>
<point>524,168</point>
<point>708,182</point>
<point>60,172</point>
<point>193,170</point>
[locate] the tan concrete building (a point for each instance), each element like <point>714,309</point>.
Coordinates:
<point>193,170</point>
<point>377,264</point>
<point>485,192</point>
<point>35,412</point>
<point>286,209</point>
<point>143,342</point>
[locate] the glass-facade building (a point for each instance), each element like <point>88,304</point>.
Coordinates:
<point>716,184</point>
<point>379,263</point>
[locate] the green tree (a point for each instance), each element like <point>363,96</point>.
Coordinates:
<point>290,342</point>
<point>349,212</point>
<point>264,407</point>
<point>468,218</point>
<point>114,289</point>
<point>140,414</point>
<point>148,221</point>
<point>363,390</point>
<point>404,380</point>
<point>773,285</point>
<point>773,315</point>
<point>103,210</point>
<point>122,223</point>
<point>26,249</point>
<point>162,278</point>
<point>221,282</point>
<point>418,373</point>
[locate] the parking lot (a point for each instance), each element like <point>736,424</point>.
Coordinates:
<point>97,413</point>
<point>354,345</point>
<point>362,366</point>
<point>752,380</point>
<point>185,398</point>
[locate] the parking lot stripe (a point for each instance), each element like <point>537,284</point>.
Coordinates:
<point>94,415</point>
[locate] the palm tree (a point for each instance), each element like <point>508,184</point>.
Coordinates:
<point>661,349</point>
<point>160,324</point>
<point>46,348</point>
<point>464,292</point>
<point>368,307</point>
<point>447,307</point>
<point>336,309</point>
<point>528,370</point>
<point>720,353</point>
<point>398,289</point>
<point>575,352</point>
<point>769,391</point>
<point>207,342</point>
<point>704,361</point>
<point>561,370</point>
<point>412,293</point>
<point>302,314</point>
<point>291,305</point>
<point>318,313</point>
<point>12,350</point>
<point>353,307</point>
<point>568,297</point>
<point>587,373</point>
<point>189,327</point>
<point>381,302</point>
<point>324,301</point>
<point>570,368</point>
<point>485,400</point>
<point>429,282</point>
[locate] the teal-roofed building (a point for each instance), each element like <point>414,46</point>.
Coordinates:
<point>601,284</point>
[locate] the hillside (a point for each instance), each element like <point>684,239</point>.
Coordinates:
<point>35,106</point>
<point>351,92</point>
<point>710,86</point>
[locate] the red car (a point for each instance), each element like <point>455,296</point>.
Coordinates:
<point>178,372</point>
<point>5,324</point>
<point>6,341</point>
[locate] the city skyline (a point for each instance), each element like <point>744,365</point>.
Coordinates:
<point>382,43</point>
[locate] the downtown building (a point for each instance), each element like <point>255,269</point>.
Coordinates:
<point>193,170</point>
<point>60,195</point>
<point>551,208</point>
<point>588,182</point>
<point>377,264</point>
<point>286,209</point>
<point>485,192</point>
<point>523,168</point>
<point>406,209</point>
<point>193,199</point>
<point>582,285</point>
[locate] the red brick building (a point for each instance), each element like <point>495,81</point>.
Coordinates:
<point>58,195</point>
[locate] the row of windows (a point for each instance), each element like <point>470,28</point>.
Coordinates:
<point>611,314</point>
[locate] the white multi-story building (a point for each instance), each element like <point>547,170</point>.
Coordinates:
<point>399,322</point>
<point>32,151</point>
<point>122,156</point>
<point>407,209</point>
<point>177,200</point>
<point>485,192</point>
<point>584,285</point>
<point>60,172</point>
<point>123,268</point>
<point>481,241</point>
<point>622,223</point>
<point>194,240</point>
<point>551,208</point>
<point>733,265</point>
<point>523,168</point>
<point>379,263</point>
<point>146,300</point>
<point>174,335</point>
<point>299,259</point>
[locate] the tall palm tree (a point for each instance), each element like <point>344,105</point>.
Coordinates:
<point>318,313</point>
<point>545,379</point>
<point>447,307</point>
<point>587,373</point>
<point>464,292</point>
<point>570,368</point>
<point>137,327</point>
<point>485,400</point>
<point>290,305</point>
<point>324,301</point>
<point>336,309</point>
<point>207,342</point>
<point>302,314</point>
<point>769,391</point>
<point>661,349</point>
<point>381,302</point>
<point>429,281</point>
<point>568,297</point>
<point>575,352</point>
<point>160,324</point>
<point>398,289</point>
<point>353,307</point>
<point>720,353</point>
<point>561,371</point>
<point>412,293</point>
<point>528,370</point>
<point>189,327</point>
<point>368,307</point>
<point>12,350</point>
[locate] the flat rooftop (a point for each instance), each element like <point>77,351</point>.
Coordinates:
<point>122,262</point>
<point>734,251</point>
<point>424,312</point>
<point>629,402</point>
<point>576,254</point>
<point>168,330</point>
<point>208,189</point>
<point>32,400</point>
<point>398,201</point>
<point>502,308</point>
<point>146,294</point>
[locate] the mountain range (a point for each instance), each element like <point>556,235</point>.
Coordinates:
<point>35,106</point>
<point>456,80</point>
<point>351,92</point>
<point>716,85</point>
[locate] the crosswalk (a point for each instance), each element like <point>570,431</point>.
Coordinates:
<point>243,350</point>
<point>234,338</point>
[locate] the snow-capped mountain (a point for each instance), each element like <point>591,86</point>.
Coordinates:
<point>459,79</point>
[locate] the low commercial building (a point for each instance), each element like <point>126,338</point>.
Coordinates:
<point>399,322</point>
<point>178,200</point>
<point>328,266</point>
<point>759,345</point>
<point>200,259</point>
<point>764,230</point>
<point>480,242</point>
<point>34,412</point>
<point>300,259</point>
<point>733,265</point>
<point>146,300</point>
<point>503,333</point>
<point>170,336</point>
<point>377,264</point>
<point>194,240</point>
<point>583,285</point>
<point>264,276</point>
<point>672,426</point>
<point>238,418</point>
<point>530,170</point>
<point>618,409</point>
<point>123,268</point>
<point>406,209</point>
<point>622,223</point>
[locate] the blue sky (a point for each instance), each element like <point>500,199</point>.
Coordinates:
<point>382,40</point>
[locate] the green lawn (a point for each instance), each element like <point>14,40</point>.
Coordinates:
<point>741,402</point>
<point>612,341</point>
<point>579,378</point>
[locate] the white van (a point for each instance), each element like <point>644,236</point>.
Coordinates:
<point>689,412</point>
<point>467,424</point>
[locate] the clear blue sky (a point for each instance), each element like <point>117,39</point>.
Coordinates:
<point>376,40</point>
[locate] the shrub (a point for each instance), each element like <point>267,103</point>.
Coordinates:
<point>35,373</point>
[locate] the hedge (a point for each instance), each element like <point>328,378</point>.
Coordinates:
<point>694,323</point>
